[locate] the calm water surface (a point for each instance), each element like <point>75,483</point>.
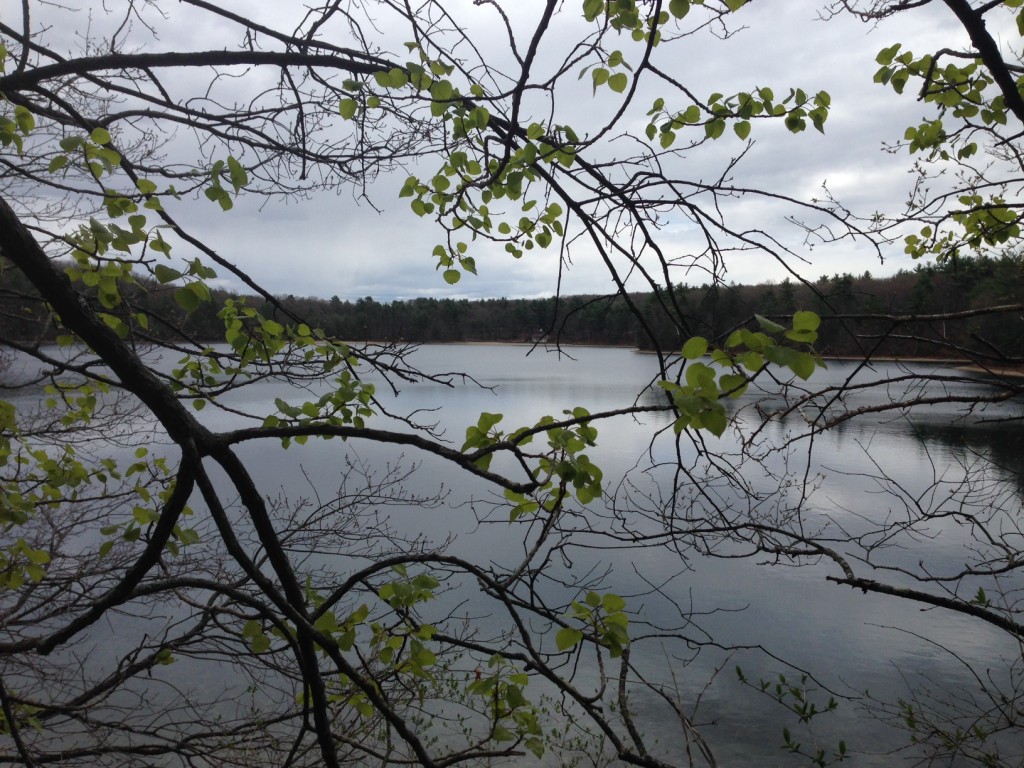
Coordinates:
<point>759,615</point>
<point>850,641</point>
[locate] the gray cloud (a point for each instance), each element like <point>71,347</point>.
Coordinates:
<point>333,244</point>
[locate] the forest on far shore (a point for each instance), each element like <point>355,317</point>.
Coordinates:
<point>860,314</point>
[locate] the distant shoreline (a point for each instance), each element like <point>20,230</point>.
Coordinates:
<point>959,364</point>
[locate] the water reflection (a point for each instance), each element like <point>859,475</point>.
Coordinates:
<point>702,616</point>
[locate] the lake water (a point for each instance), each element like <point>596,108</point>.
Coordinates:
<point>706,615</point>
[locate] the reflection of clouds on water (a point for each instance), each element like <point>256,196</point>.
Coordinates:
<point>841,634</point>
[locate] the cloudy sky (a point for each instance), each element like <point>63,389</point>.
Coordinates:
<point>333,244</point>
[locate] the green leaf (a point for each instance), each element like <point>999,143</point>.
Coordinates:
<point>695,348</point>
<point>187,299</point>
<point>347,108</point>
<point>165,274</point>
<point>567,638</point>
<point>713,129</point>
<point>733,383</point>
<point>803,365</point>
<point>501,733</point>
<point>769,325</point>
<point>715,420</point>
<point>100,136</point>
<point>236,173</point>
<point>514,697</point>
<point>272,327</point>
<point>886,55</point>
<point>612,603</point>
<point>806,321</point>
<point>742,129</point>
<point>442,90</point>
<point>397,78</point>
<point>536,746</point>
<point>802,336</point>
<point>488,420</point>
<point>618,82</point>
<point>679,8</point>
<point>700,376</point>
<point>219,196</point>
<point>592,9</point>
<point>452,276</point>
<point>25,120</point>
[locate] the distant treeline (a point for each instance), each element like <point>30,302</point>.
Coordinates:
<point>667,320</point>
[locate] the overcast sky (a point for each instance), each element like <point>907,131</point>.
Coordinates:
<point>334,245</point>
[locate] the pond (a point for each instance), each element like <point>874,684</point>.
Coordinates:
<point>706,615</point>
